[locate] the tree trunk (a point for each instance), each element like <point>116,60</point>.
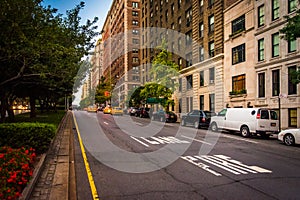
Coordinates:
<point>3,110</point>
<point>32,107</point>
<point>10,111</point>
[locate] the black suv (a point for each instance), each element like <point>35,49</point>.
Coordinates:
<point>197,118</point>
<point>144,112</point>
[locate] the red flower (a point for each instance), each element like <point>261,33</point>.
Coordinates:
<point>1,155</point>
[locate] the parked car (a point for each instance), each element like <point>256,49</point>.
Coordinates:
<point>290,136</point>
<point>107,110</point>
<point>164,116</point>
<point>92,109</point>
<point>247,121</point>
<point>197,118</point>
<point>100,109</point>
<point>132,111</point>
<point>116,111</point>
<point>144,112</point>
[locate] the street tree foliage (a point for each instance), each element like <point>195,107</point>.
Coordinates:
<point>40,51</point>
<point>102,88</point>
<point>291,32</point>
<point>164,72</point>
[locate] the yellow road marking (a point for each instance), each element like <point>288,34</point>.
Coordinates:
<point>86,163</point>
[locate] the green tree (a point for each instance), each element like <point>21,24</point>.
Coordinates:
<point>291,32</point>
<point>40,51</point>
<point>101,97</point>
<point>164,72</point>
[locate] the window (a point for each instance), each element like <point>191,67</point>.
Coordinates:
<point>189,59</point>
<point>292,88</point>
<point>135,41</point>
<point>212,102</point>
<point>261,50</point>
<point>293,117</point>
<point>201,78</point>
<point>188,38</point>
<point>179,43</point>
<point>135,50</point>
<point>201,53</point>
<point>292,45</point>
<point>238,54</point>
<point>211,46</point>
<point>172,9</point>
<point>189,82</point>
<point>135,32</point>
<point>292,5</point>
<point>261,85</point>
<point>180,62</point>
<point>180,104</point>
<point>211,75</point>
<point>167,15</point>
<point>201,6</point>
<point>180,84</point>
<point>201,30</point>
<point>172,26</point>
<point>201,102</point>
<point>210,3</point>
<point>275,82</point>
<point>238,24</point>
<point>275,45</point>
<point>275,9</point>
<point>264,114</point>
<point>135,60</point>
<point>239,83</point>
<point>134,22</point>
<point>179,23</point>
<point>211,21</point>
<point>188,15</point>
<point>135,4</point>
<point>191,103</point>
<point>261,15</point>
<point>135,13</point>
<point>179,4</point>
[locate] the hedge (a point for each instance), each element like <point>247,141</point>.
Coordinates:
<point>28,135</point>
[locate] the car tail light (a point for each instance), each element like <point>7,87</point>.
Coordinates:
<point>203,119</point>
<point>258,116</point>
<point>166,116</point>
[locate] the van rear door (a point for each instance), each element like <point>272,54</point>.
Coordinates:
<point>267,121</point>
<point>274,122</point>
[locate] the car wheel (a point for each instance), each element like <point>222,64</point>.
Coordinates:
<point>196,125</point>
<point>289,139</point>
<point>245,131</point>
<point>182,122</point>
<point>214,127</point>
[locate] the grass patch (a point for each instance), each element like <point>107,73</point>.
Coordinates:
<point>46,117</point>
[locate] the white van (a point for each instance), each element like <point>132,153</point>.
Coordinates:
<point>247,121</point>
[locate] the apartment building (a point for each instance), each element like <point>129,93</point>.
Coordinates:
<point>239,45</point>
<point>194,34</point>
<point>121,48</point>
<point>275,59</point>
<point>97,64</point>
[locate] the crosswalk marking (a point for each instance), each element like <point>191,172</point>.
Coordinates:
<point>225,163</point>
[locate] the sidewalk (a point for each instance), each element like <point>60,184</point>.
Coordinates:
<point>54,177</point>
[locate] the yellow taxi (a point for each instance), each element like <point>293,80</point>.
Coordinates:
<point>107,110</point>
<point>117,111</point>
<point>92,109</point>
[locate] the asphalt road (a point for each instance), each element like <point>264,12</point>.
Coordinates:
<point>134,158</point>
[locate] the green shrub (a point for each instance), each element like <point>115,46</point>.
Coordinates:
<point>30,135</point>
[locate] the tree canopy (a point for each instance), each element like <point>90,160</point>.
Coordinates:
<point>40,50</point>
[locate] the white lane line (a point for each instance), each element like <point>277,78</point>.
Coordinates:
<point>231,137</point>
<point>196,140</point>
<point>146,145</point>
<point>137,123</point>
<point>105,123</point>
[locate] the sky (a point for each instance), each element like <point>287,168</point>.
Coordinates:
<point>92,8</point>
